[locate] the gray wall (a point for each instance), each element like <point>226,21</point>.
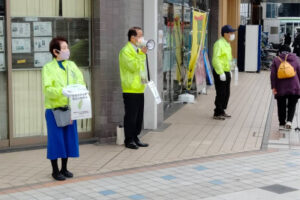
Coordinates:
<point>112,19</point>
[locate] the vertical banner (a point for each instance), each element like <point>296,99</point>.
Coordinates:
<point>200,73</point>
<point>198,39</point>
<point>178,43</point>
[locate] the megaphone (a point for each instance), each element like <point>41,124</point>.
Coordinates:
<point>150,44</point>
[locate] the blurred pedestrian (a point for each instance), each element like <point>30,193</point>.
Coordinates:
<point>287,39</point>
<point>56,75</point>
<point>296,45</point>
<point>286,90</point>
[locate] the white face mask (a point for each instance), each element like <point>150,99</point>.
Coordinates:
<point>140,42</point>
<point>232,37</point>
<point>64,55</point>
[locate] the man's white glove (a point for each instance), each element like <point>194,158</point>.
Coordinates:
<point>223,77</point>
<point>230,74</point>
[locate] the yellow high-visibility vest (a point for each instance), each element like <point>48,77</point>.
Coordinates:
<point>54,79</point>
<point>131,64</point>
<point>222,56</point>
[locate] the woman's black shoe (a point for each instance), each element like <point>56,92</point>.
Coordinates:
<point>66,174</point>
<point>58,176</point>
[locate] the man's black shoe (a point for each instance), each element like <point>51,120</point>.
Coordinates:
<point>219,117</point>
<point>131,145</point>
<point>140,144</point>
<point>66,173</point>
<point>226,115</point>
<point>58,176</point>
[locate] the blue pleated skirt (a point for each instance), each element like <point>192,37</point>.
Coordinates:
<point>62,141</point>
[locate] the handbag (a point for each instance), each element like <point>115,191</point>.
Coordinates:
<point>62,116</point>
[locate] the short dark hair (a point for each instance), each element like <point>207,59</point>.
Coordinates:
<point>283,48</point>
<point>55,44</point>
<point>133,31</point>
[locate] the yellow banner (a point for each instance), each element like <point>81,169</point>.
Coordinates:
<point>198,39</point>
<point>178,43</point>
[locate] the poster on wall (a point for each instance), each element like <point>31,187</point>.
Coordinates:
<point>1,27</point>
<point>40,59</point>
<point>41,43</point>
<point>21,46</point>
<point>20,29</point>
<point>2,45</point>
<point>42,28</point>
<point>2,62</point>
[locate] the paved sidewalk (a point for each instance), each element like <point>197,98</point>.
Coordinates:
<point>284,139</point>
<point>244,176</point>
<point>191,134</point>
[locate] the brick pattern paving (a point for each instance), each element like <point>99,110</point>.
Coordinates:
<point>192,134</point>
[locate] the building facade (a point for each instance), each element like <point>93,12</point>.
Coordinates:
<point>96,30</point>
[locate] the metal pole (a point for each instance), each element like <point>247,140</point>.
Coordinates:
<point>147,63</point>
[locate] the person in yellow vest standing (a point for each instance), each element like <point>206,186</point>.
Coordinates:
<point>62,138</point>
<point>133,79</point>
<point>221,61</point>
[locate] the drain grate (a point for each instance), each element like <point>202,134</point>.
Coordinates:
<point>279,189</point>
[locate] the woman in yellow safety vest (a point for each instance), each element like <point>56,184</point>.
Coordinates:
<point>56,75</point>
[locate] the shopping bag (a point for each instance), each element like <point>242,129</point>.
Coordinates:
<point>154,91</point>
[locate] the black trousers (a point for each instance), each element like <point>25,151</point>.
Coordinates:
<point>286,103</point>
<point>222,93</point>
<point>134,114</point>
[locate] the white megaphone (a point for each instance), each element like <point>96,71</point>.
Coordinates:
<point>150,44</point>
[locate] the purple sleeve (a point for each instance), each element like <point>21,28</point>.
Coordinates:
<point>298,67</point>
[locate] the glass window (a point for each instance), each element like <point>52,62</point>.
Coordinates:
<point>269,11</point>
<point>289,10</point>
<point>272,10</point>
<point>245,12</point>
<point>178,46</point>
<point>34,23</point>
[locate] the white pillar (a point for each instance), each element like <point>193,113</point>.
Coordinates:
<point>151,32</point>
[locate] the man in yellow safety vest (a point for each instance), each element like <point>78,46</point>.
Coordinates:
<point>133,78</point>
<point>222,59</point>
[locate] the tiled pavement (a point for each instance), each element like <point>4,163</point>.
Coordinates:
<point>284,139</point>
<point>192,133</point>
<point>180,162</point>
<point>250,176</point>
